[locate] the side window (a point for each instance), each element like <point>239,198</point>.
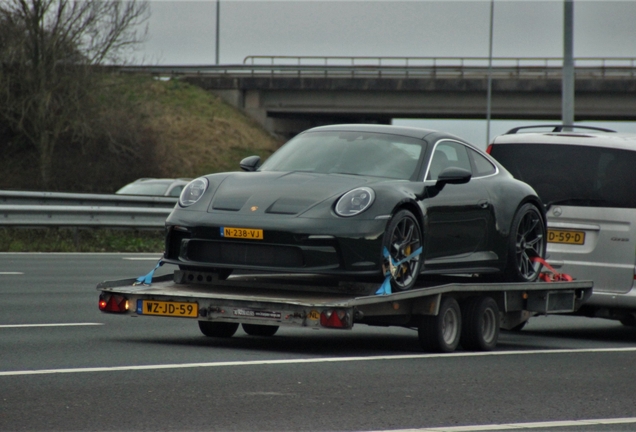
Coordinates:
<point>483,167</point>
<point>448,154</point>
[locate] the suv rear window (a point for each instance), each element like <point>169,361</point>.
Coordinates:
<point>573,175</point>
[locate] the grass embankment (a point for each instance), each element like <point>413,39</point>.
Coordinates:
<point>197,131</point>
<point>81,240</point>
<point>193,133</point>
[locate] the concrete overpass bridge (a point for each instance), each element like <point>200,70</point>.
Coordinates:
<point>289,94</point>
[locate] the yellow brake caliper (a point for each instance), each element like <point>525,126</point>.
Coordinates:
<point>405,265</point>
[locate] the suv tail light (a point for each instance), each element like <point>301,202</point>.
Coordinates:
<point>489,148</point>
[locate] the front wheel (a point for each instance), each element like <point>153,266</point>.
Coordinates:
<point>527,241</point>
<point>402,239</point>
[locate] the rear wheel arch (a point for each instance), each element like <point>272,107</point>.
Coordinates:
<point>508,221</point>
<point>536,202</point>
<point>519,267</point>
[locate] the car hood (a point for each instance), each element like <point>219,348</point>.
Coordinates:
<point>287,193</point>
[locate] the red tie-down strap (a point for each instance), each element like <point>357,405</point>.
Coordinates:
<point>551,275</point>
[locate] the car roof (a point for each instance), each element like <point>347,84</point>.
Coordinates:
<point>408,131</point>
<point>412,132</point>
<point>593,139</point>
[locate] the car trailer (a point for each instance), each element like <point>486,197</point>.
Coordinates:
<point>446,311</point>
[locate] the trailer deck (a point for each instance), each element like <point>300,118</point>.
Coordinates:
<point>262,303</point>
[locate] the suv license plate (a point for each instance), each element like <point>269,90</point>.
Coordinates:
<point>563,236</point>
<point>168,308</point>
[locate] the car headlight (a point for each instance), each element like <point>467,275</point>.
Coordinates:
<point>193,191</point>
<point>355,201</point>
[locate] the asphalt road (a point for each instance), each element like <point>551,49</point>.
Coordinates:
<point>66,366</point>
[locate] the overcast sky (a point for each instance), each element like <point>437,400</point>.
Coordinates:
<point>184,31</point>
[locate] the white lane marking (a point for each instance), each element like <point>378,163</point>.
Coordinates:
<point>520,426</point>
<point>142,258</point>
<point>49,325</point>
<point>11,273</point>
<point>301,361</point>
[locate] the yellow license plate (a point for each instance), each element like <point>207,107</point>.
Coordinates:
<point>243,233</point>
<point>168,308</point>
<point>564,236</point>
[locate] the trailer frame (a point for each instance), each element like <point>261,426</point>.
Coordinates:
<point>445,309</point>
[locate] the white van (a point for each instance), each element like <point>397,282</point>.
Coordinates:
<point>586,178</point>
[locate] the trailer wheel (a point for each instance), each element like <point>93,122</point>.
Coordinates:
<point>480,324</point>
<point>441,333</point>
<point>259,330</point>
<point>218,329</point>
<point>403,236</point>
<point>527,241</point>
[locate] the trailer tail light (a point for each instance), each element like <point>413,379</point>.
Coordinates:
<point>113,303</point>
<point>335,318</point>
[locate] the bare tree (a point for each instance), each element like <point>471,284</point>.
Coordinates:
<point>48,52</point>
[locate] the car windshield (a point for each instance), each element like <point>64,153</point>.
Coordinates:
<point>357,153</point>
<point>573,175</point>
<point>144,189</point>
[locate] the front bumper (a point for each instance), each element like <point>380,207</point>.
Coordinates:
<point>299,245</point>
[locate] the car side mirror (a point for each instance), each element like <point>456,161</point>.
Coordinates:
<point>250,163</point>
<point>453,175</point>
<point>450,175</point>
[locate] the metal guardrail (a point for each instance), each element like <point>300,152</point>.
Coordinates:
<point>55,209</point>
<point>75,199</point>
<point>399,67</point>
<point>80,216</point>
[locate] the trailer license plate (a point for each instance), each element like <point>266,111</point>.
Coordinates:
<point>168,308</point>
<point>243,233</point>
<point>562,236</point>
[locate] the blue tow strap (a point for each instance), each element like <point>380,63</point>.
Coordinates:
<point>147,279</point>
<point>386,285</point>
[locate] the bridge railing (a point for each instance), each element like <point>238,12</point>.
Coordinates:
<point>399,67</point>
<point>518,62</point>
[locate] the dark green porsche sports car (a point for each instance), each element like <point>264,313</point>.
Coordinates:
<point>362,201</point>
